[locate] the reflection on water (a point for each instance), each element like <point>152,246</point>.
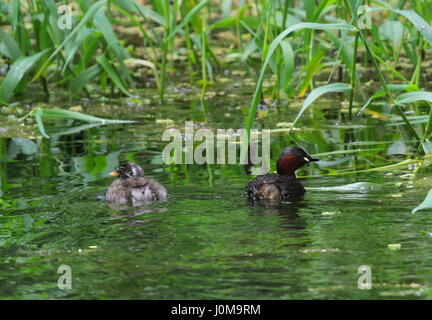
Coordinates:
<point>206,241</point>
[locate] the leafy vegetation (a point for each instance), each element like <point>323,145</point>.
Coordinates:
<point>289,41</point>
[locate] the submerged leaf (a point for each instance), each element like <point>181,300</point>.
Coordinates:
<point>67,114</point>
<point>27,146</point>
<point>394,246</point>
<point>414,96</point>
<point>427,203</point>
<point>329,213</point>
<point>40,123</point>
<point>397,147</point>
<point>392,31</point>
<point>427,146</point>
<point>318,92</point>
<point>352,187</point>
<point>325,164</point>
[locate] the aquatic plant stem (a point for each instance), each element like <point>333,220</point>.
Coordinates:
<point>238,26</point>
<point>428,128</point>
<point>203,54</point>
<point>190,54</point>
<point>387,91</point>
<point>415,79</point>
<point>285,13</point>
<point>164,50</point>
<point>353,75</point>
<point>265,44</point>
<point>172,24</point>
<point>379,73</point>
<point>272,48</point>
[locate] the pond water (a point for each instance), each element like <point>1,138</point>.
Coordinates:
<point>207,241</point>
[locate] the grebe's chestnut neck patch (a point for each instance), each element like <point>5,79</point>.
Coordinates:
<point>291,159</point>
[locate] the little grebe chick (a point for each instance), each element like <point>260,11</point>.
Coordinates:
<point>283,185</point>
<point>133,187</point>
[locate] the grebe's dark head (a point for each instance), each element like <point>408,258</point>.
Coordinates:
<point>291,159</point>
<point>128,170</point>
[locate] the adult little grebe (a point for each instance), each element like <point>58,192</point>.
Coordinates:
<point>283,185</point>
<point>133,187</point>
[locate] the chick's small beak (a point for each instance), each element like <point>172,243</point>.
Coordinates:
<point>114,174</point>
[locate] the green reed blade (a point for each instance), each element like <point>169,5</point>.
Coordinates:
<point>17,71</point>
<point>271,49</point>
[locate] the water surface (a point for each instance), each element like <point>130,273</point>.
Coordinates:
<point>207,241</point>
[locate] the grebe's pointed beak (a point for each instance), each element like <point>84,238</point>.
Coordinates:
<point>311,159</point>
<point>114,174</point>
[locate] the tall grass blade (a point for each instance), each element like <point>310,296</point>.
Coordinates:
<point>85,77</point>
<point>113,74</point>
<point>102,23</point>
<point>410,97</point>
<point>271,49</point>
<point>89,14</point>
<point>19,68</point>
<point>188,17</point>
<point>82,35</point>
<point>40,114</point>
<point>12,51</point>
<point>318,92</point>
